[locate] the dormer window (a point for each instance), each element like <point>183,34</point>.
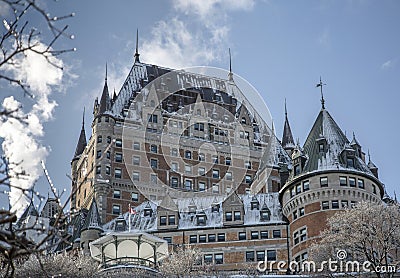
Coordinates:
<point>321,148</point>
<point>265,214</point>
<point>237,215</point>
<point>254,204</point>
<point>350,162</point>
<point>215,208</point>
<point>297,169</point>
<point>201,219</point>
<point>148,211</point>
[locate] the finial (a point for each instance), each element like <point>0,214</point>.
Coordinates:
<point>106,72</point>
<point>354,135</point>
<point>369,156</point>
<point>320,84</point>
<point>137,47</point>
<point>395,196</point>
<point>273,127</point>
<point>285,109</point>
<point>230,75</point>
<point>83,118</point>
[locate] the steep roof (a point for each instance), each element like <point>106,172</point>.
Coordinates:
<point>29,211</point>
<point>168,203</point>
<point>80,147</point>
<point>92,220</point>
<point>287,137</point>
<point>105,101</point>
<point>325,128</point>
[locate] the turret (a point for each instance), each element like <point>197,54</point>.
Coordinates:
<point>287,137</point>
<point>91,229</point>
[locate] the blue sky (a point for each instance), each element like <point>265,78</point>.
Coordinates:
<point>280,47</point>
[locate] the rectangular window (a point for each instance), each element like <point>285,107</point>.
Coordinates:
<point>260,256</point>
<point>228,216</point>
<point>135,197</point>
<point>215,173</point>
<point>298,188</point>
<point>202,186</point>
<point>201,171</point>
<point>215,159</point>
<point>117,173</point>
<point>325,205</point>
<point>174,166</point>
<point>343,181</point>
<point>202,238</point>
<point>117,194</point>
<point>247,164</point>
<point>353,204</point>
<point>163,220</point>
<point>352,182</point>
<point>211,238</point>
<point>188,184</point>
<point>108,139</point>
<point>271,255</point>
<point>237,216</point>
<point>153,118</point>
<point>193,239</point>
<point>360,183</point>
<point>154,163</point>
<point>188,154</point>
<point>215,188</point>
<point>153,178</point>
<point>293,192</point>
<point>219,258</point>
<point>208,259</point>
<point>116,209</point>
<point>108,155</point>
<point>98,154</point>
<point>174,152</point>
<point>228,176</point>
<point>297,169</point>
<point>135,176</point>
<point>174,182</point>
<point>247,179</point>
<point>249,256</point>
<point>242,235</point>
<point>171,220</point>
<point>254,235</point>
<point>323,181</point>
<point>118,157</point>
<point>350,162</point>
<point>136,146</point>
<point>98,170</point>
<point>221,237</point>
<point>301,211</point>
<point>306,185</point>
<point>136,160</point>
<point>295,215</point>
<point>303,234</point>
<point>345,203</point>
<point>264,234</point>
<point>228,161</point>
<point>168,239</point>
<point>118,142</point>
<point>108,170</point>
<point>153,148</point>
<point>99,139</point>
<point>276,233</point>
<point>202,157</point>
<point>188,169</point>
<point>335,204</point>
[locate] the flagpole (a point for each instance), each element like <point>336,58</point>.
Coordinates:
<point>129,219</point>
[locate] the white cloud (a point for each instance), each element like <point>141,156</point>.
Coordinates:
<point>388,64</point>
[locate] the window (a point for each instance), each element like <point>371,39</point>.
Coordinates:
<point>174,166</point>
<point>202,157</point>
<point>135,197</point>
<point>323,181</point>
<point>116,209</point>
<point>211,238</point>
<point>335,204</point>
<point>215,173</point>
<point>303,234</point>
<point>118,157</point>
<point>343,181</point>
<point>298,188</point>
<point>276,233</point>
<point>264,234</point>
<point>117,194</point>
<point>201,171</point>
<point>353,204</point>
<point>360,183</point>
<point>193,239</point>
<point>208,259</point>
<point>215,188</point>
<point>246,135</point>
<point>243,120</point>
<point>136,160</point>
<point>136,146</point>
<point>188,184</point>
<point>293,192</point>
<point>221,237</point>
<point>254,235</point>
<point>153,119</point>
<point>108,170</point>
<point>199,126</point>
<point>188,169</point>
<point>228,161</point>
<point>107,119</point>
<point>321,148</point>
<point>237,216</point>
<point>168,239</point>
<point>247,164</point>
<point>153,178</point>
<point>108,139</point>
<point>98,154</point>
<point>271,255</point>
<point>174,182</point>
<point>202,186</point>
<point>99,139</point>
<point>163,220</point>
<point>228,216</point>
<point>345,203</point>
<point>188,154</point>
<point>202,238</point>
<point>174,152</point>
<point>98,170</point>
<point>242,236</point>
<point>153,148</point>
<point>228,176</point>
<point>306,185</point>
<point>374,188</point>
<point>295,215</point>
<point>118,142</point>
<point>154,163</point>
<point>117,173</point>
<point>219,258</point>
<point>352,182</point>
<point>135,176</point>
<point>260,256</point>
<point>325,205</point>
<point>301,211</point>
<point>247,179</point>
<point>249,256</point>
<point>350,162</point>
<point>108,155</point>
<point>215,159</point>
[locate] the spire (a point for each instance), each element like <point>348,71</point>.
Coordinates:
<point>137,47</point>
<point>320,84</point>
<point>354,141</point>
<point>287,137</point>
<point>105,97</point>
<point>80,147</point>
<point>92,220</point>
<point>230,74</point>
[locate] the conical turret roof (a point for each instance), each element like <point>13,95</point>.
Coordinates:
<point>287,137</point>
<point>80,147</point>
<point>92,220</point>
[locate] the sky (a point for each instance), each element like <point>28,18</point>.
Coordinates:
<point>280,47</point>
